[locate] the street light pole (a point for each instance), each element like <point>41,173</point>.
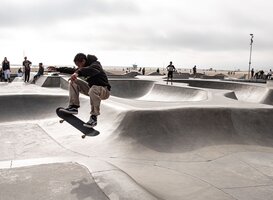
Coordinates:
<point>251,41</point>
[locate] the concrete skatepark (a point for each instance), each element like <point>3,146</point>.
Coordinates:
<point>195,139</point>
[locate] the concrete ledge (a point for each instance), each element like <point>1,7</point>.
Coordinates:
<point>181,75</point>
<point>213,77</point>
<point>48,81</point>
<point>52,81</point>
<point>269,83</point>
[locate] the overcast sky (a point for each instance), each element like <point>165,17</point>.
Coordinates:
<point>206,33</point>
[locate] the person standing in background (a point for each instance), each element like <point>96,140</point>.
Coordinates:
<point>194,71</point>
<point>268,76</point>
<point>26,65</point>
<point>6,69</point>
<point>170,69</point>
<point>143,71</point>
<point>252,72</point>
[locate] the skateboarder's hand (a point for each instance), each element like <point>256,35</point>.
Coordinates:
<point>74,77</point>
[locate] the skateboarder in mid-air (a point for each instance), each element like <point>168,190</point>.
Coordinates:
<point>96,86</point>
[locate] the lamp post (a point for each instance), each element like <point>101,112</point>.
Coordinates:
<point>249,64</point>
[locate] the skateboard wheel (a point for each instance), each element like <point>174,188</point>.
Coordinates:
<point>61,121</point>
<point>83,136</point>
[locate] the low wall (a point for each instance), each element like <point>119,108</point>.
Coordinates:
<point>269,83</point>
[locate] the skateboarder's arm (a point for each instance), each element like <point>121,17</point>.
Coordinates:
<point>88,71</point>
<point>66,70</point>
<point>85,71</point>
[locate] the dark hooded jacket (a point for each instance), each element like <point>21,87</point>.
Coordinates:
<point>5,65</point>
<point>92,72</point>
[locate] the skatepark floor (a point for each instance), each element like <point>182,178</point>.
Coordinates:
<point>194,139</point>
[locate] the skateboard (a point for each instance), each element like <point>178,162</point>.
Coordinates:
<point>76,123</point>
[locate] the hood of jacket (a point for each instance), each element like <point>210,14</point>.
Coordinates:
<point>91,59</point>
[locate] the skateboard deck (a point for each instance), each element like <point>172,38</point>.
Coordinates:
<point>76,123</point>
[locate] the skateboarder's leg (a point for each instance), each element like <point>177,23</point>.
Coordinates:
<point>95,99</point>
<point>75,87</point>
<point>96,93</point>
<point>168,79</point>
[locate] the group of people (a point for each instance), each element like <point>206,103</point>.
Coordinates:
<point>27,68</point>
<point>6,71</point>
<point>260,74</point>
<point>142,70</point>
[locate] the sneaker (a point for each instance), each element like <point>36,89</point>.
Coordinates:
<point>92,122</point>
<point>70,110</point>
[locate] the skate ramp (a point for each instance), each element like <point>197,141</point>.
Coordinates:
<point>48,81</point>
<point>200,149</point>
<point>31,135</point>
<point>145,90</point>
<point>129,88</point>
<point>149,91</point>
<point>188,129</point>
<point>166,93</point>
<point>16,107</point>
<point>243,91</point>
<point>268,97</point>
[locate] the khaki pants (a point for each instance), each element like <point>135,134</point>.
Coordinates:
<point>96,94</point>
